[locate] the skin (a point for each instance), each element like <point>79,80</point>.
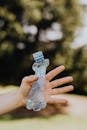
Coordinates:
<point>16,99</point>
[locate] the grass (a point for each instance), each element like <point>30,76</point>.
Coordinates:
<point>58,122</point>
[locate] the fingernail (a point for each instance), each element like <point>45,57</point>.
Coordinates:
<point>72,87</point>
<point>71,78</point>
<point>62,66</point>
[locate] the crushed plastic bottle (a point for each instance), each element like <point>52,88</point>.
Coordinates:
<point>36,100</point>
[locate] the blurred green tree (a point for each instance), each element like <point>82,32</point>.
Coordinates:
<point>27,26</point>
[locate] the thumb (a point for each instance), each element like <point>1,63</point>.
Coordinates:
<point>29,79</point>
<point>27,84</point>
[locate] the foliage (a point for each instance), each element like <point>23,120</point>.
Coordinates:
<point>27,26</point>
<point>75,61</point>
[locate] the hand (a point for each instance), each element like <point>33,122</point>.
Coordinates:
<point>49,90</point>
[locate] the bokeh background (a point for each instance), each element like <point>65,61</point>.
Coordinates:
<point>59,29</point>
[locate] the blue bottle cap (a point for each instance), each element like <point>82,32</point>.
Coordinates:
<point>38,56</point>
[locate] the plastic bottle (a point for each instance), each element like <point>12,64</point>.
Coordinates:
<point>36,100</point>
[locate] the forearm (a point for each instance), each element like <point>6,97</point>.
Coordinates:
<point>10,101</point>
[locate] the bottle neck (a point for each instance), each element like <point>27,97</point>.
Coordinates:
<point>41,71</point>
<point>40,68</point>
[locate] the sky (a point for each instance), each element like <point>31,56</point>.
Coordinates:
<point>81,33</point>
<point>83,2</point>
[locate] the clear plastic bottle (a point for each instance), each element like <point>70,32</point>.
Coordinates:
<point>36,100</point>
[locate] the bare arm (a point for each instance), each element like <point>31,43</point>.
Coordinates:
<point>17,98</point>
<point>13,100</point>
<point>9,101</point>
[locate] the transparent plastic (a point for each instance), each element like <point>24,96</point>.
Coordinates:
<point>36,99</point>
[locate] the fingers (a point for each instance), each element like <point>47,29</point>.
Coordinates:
<point>54,72</point>
<point>29,79</point>
<point>62,90</point>
<point>27,84</point>
<point>60,81</point>
<point>56,100</point>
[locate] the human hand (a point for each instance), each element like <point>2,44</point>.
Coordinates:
<point>49,89</point>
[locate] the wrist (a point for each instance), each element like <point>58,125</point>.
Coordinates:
<point>21,99</point>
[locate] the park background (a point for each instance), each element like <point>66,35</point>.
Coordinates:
<point>59,29</point>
